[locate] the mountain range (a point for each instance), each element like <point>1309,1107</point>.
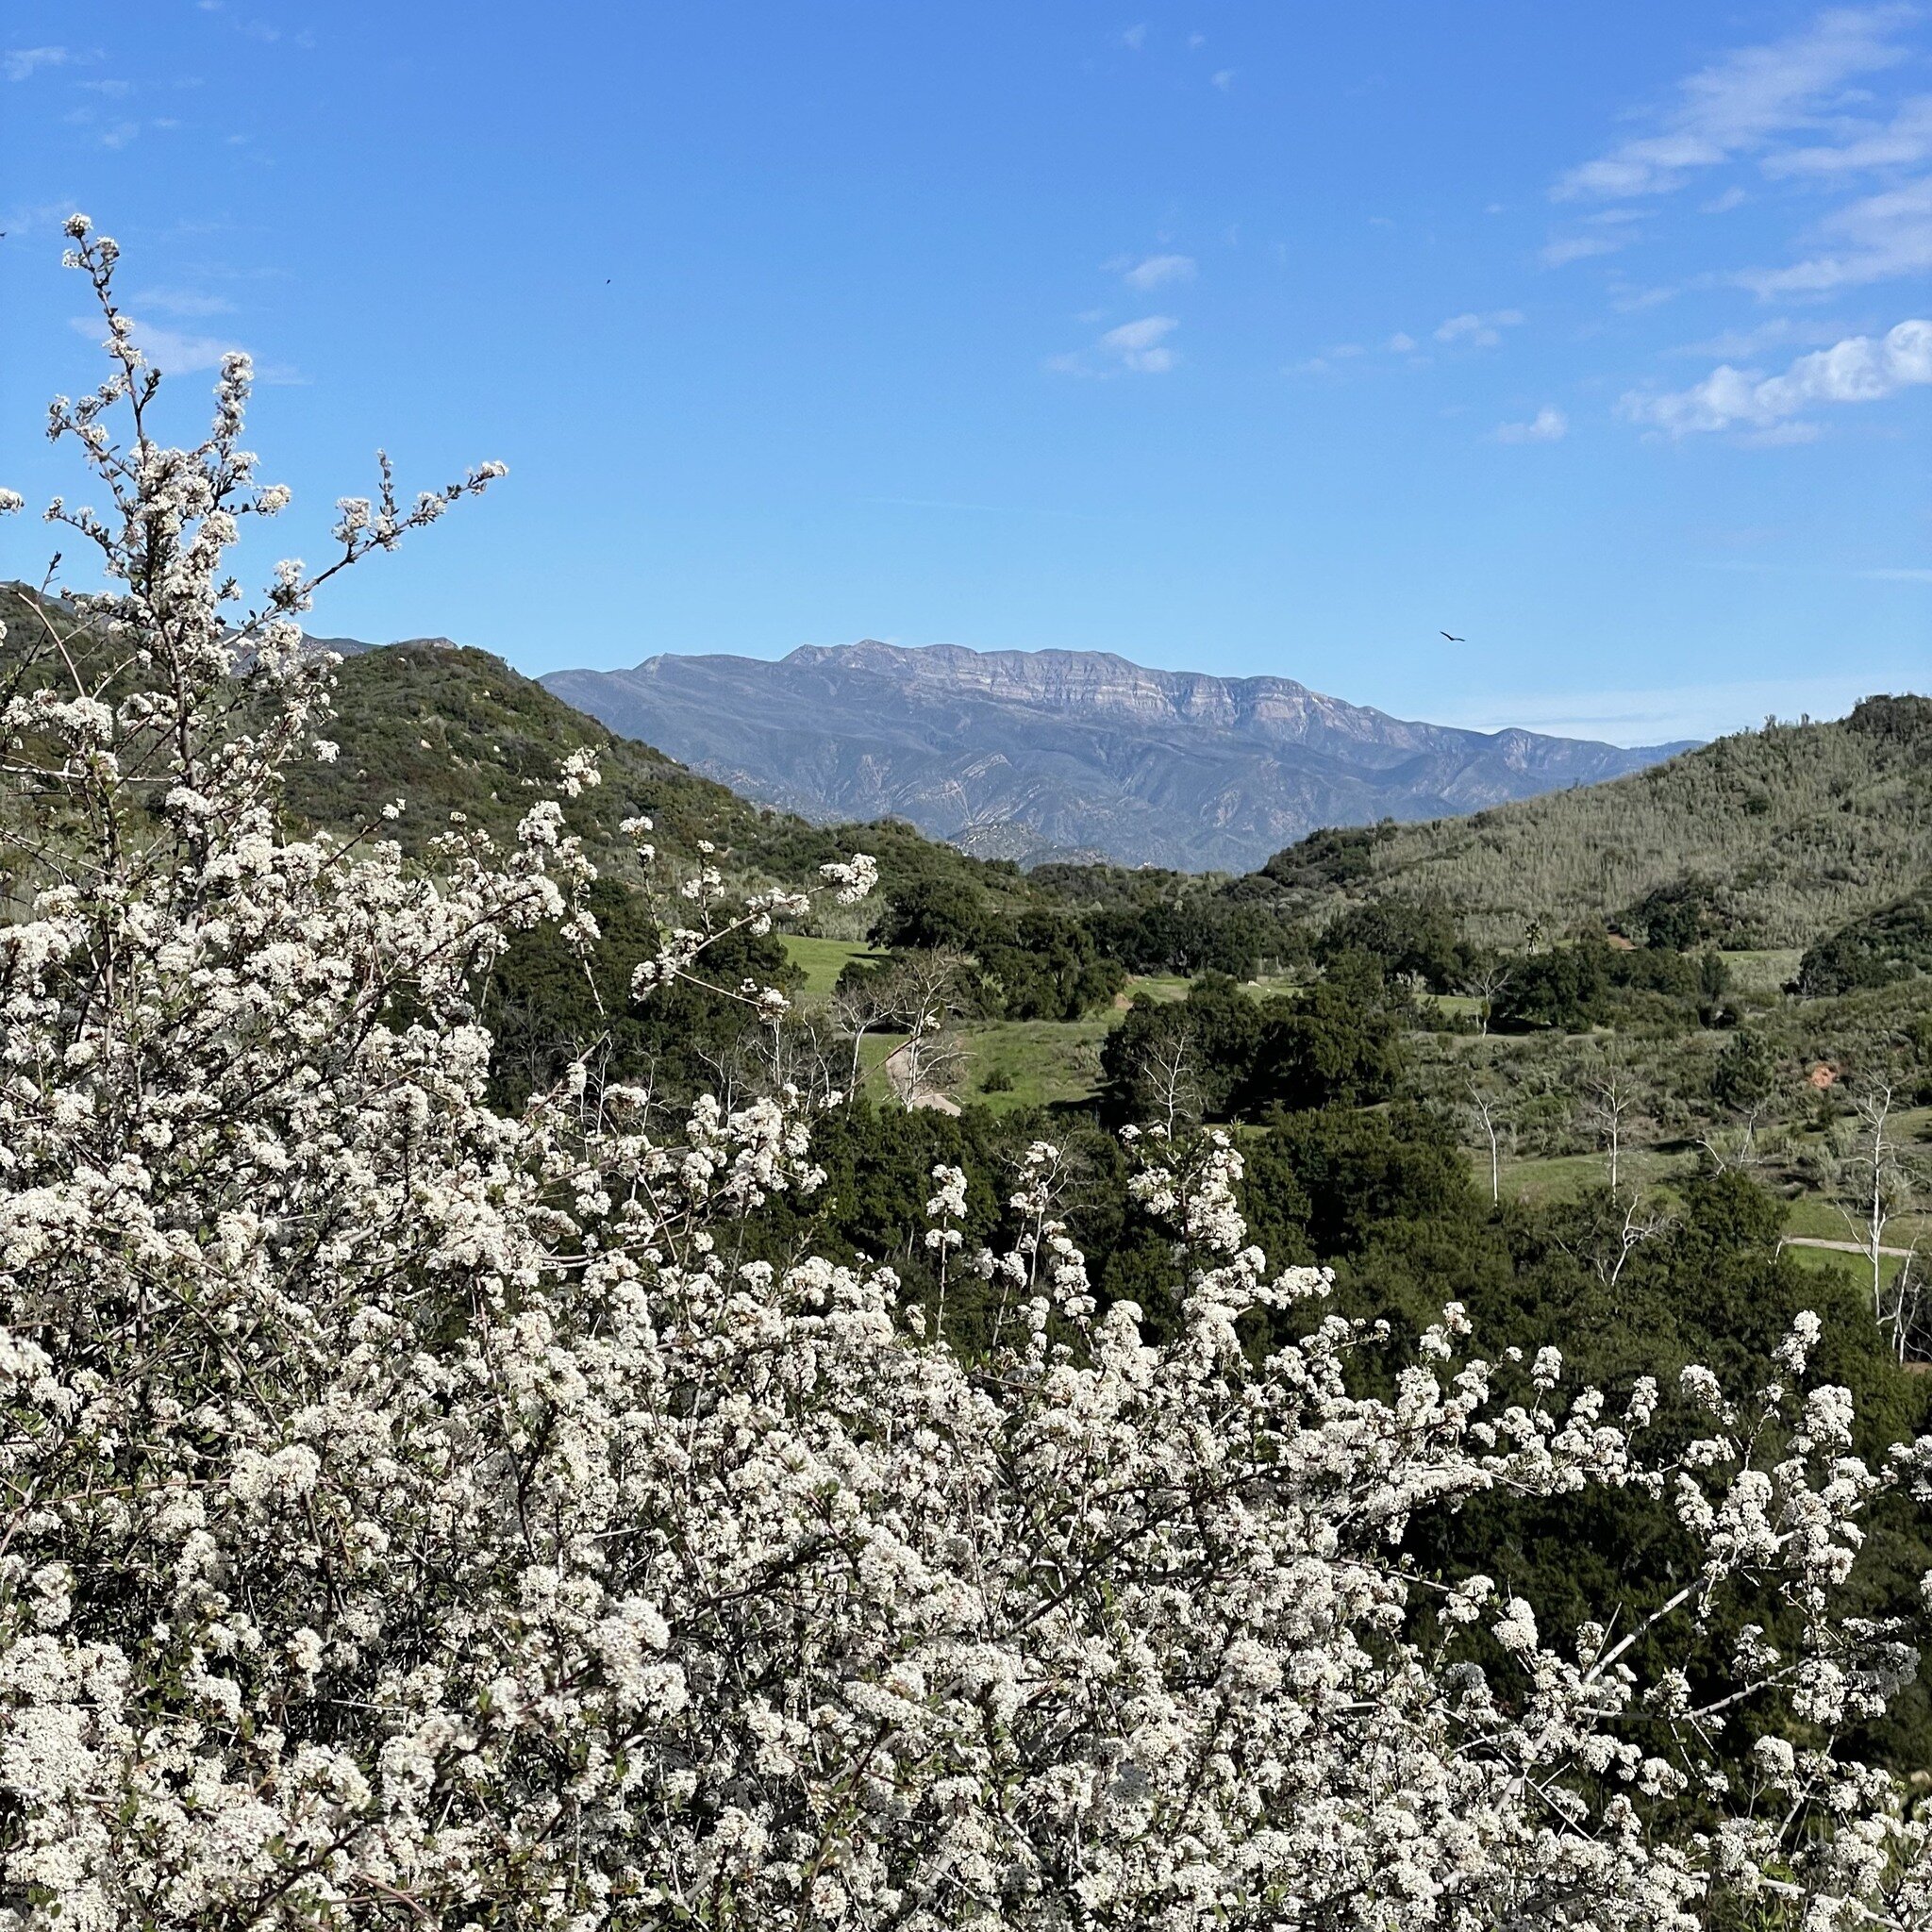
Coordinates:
<point>1038,755</point>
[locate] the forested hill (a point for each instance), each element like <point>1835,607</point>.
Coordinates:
<point>445,729</point>
<point>1771,837</point>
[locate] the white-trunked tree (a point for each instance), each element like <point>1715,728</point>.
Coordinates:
<point>411,1517</point>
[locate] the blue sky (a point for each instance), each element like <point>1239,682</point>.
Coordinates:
<point>1246,338</point>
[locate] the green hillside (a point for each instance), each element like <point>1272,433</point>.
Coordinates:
<point>450,729</point>
<point>1771,837</point>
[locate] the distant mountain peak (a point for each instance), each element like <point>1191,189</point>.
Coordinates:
<point>1028,754</point>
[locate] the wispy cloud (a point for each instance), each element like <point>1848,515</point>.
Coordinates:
<point>169,350</point>
<point>1155,270</point>
<point>1903,141</point>
<point>1224,79</point>
<point>1874,239</point>
<point>1547,425</point>
<point>1563,249</point>
<point>1134,38</point>
<point>1860,369</point>
<point>21,63</point>
<point>1142,345</point>
<point>178,352</point>
<point>189,304</point>
<point>1138,348</point>
<point>1742,101</point>
<point>1660,714</point>
<point>1776,332</point>
<point>1479,331</point>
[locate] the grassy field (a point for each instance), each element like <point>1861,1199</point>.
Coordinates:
<point>1046,1060</point>
<point>1160,986</point>
<point>1855,1265</point>
<point>1764,971</point>
<point>822,960</point>
<point>1563,1177</point>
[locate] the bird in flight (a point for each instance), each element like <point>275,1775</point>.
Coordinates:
<point>1453,640</point>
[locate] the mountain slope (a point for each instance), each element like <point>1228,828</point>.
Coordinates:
<point>448,729</point>
<point>1029,754</point>
<point>1774,837</point>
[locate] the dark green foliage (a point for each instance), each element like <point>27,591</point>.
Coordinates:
<point>1898,720</point>
<point>932,915</point>
<point>1416,936</point>
<point>1672,918</point>
<point>1339,1044</point>
<point>1574,988</point>
<point>1167,921</point>
<point>1883,947</point>
<point>1329,1179</point>
<point>1221,1028</point>
<point>1334,856</point>
<point>1745,1075</point>
<point>544,1005</point>
<point>1050,969</point>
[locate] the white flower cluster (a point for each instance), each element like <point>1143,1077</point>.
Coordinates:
<point>418,1517</point>
<point>853,878</point>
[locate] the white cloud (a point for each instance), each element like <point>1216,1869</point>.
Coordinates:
<point>1860,369</point>
<point>1780,332</point>
<point>1879,237</point>
<point>1142,345</point>
<point>1138,347</point>
<point>177,352</point>
<point>1401,343</point>
<point>1224,80</point>
<point>1157,269</point>
<point>168,349</point>
<point>1135,38</point>
<point>1569,248</point>
<point>188,303</point>
<point>19,63</point>
<point>1547,425</point>
<point>1479,331</point>
<point>1903,142</point>
<point>1742,101</point>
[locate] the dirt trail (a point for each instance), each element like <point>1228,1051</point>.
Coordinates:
<point>1813,1241</point>
<point>903,1078</point>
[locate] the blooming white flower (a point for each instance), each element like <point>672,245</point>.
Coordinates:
<point>416,1512</point>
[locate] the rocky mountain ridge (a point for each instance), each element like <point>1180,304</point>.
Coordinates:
<point>1032,754</point>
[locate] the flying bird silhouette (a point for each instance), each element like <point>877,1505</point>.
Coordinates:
<point>1453,640</point>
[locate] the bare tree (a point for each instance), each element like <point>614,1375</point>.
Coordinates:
<point>856,1008</point>
<point>1874,1184</point>
<point>806,1051</point>
<point>1905,1310</point>
<point>1485,982</point>
<point>1612,1106</point>
<point>1607,1244</point>
<point>1639,1226</point>
<point>1486,1107</point>
<point>926,1001</point>
<point>1167,1075</point>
